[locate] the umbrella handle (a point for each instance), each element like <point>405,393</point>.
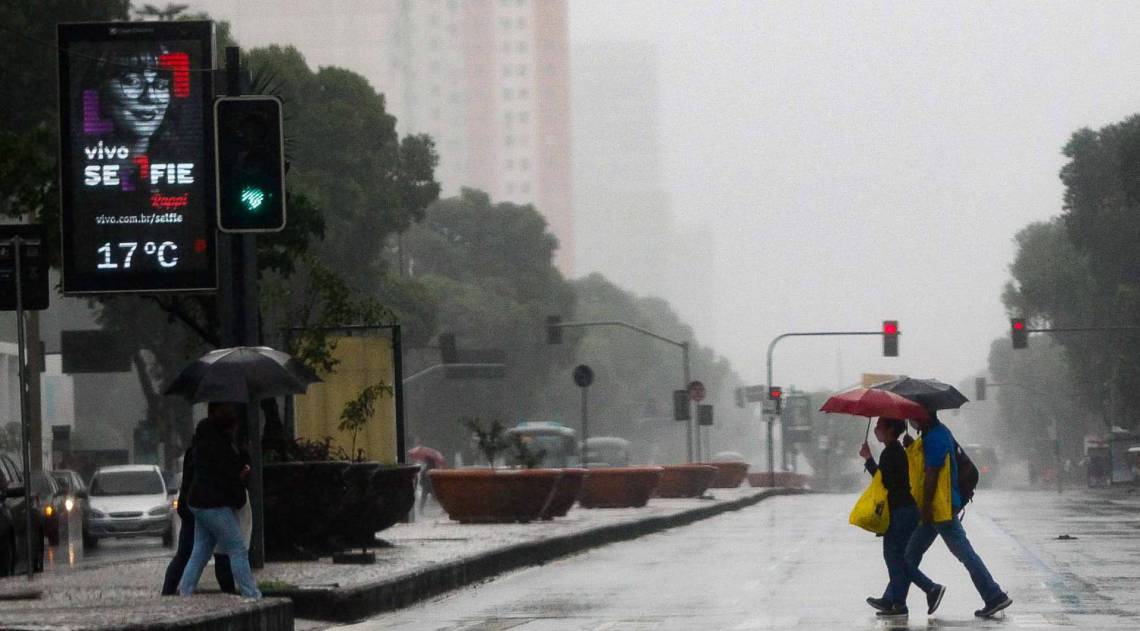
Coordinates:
<point>867,435</point>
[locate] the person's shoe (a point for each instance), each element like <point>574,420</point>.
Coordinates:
<point>934,598</point>
<point>999,603</point>
<point>879,604</point>
<point>895,611</point>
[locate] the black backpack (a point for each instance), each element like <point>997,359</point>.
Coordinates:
<point>968,474</point>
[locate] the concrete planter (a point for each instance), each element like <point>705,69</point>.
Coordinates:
<point>729,475</point>
<point>786,479</point>
<point>685,480</point>
<point>315,509</point>
<point>472,496</point>
<point>569,487</point>
<point>619,487</point>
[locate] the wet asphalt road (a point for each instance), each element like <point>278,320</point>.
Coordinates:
<point>794,563</point>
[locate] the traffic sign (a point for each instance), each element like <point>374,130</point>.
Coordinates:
<point>756,394</point>
<point>583,376</point>
<point>697,391</point>
<point>704,415</point>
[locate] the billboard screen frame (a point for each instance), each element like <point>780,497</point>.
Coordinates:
<point>78,281</point>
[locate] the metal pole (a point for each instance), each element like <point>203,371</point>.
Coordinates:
<point>685,386</point>
<point>1057,455</point>
<point>25,430</point>
<point>585,430</point>
<point>770,419</point>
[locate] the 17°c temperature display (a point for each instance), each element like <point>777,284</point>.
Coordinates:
<point>121,256</point>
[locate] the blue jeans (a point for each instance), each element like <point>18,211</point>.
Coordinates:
<point>218,526</point>
<point>903,522</point>
<point>177,564</point>
<point>954,536</point>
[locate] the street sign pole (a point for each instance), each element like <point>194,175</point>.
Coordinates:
<point>25,422</point>
<point>685,383</point>
<point>583,377</point>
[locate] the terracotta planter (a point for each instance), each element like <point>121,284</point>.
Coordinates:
<point>619,487</point>
<point>685,480</point>
<point>569,486</point>
<point>494,495</point>
<point>780,478</point>
<point>729,475</point>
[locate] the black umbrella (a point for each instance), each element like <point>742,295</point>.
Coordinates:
<point>930,393</point>
<point>243,374</point>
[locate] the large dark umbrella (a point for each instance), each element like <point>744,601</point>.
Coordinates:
<point>243,374</point>
<point>930,393</point>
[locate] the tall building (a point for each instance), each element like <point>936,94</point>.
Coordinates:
<point>487,79</point>
<point>625,227</point>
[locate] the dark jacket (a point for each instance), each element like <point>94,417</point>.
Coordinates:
<point>215,469</point>
<point>896,474</point>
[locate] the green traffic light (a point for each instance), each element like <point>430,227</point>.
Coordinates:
<point>253,198</point>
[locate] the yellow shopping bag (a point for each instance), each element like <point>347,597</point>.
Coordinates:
<point>871,512</point>
<point>917,467</point>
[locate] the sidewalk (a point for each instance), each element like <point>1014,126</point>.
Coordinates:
<point>426,558</point>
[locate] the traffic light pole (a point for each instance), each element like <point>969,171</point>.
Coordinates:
<point>771,347</point>
<point>684,346</point>
<point>238,297</point>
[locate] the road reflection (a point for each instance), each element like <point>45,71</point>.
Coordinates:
<point>70,553</point>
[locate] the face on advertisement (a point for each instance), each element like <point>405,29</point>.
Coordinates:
<point>135,94</point>
<point>137,102</point>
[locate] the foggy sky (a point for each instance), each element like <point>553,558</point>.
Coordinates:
<point>866,161</point>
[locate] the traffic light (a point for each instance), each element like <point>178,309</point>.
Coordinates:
<point>553,331</point>
<point>890,338</point>
<point>776,393</point>
<point>1019,333</point>
<point>979,388</point>
<point>250,159</point>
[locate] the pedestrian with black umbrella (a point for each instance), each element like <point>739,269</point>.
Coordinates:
<point>939,499</point>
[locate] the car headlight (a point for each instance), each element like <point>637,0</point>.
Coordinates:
<point>69,504</point>
<point>49,510</point>
<point>158,510</point>
<point>95,512</point>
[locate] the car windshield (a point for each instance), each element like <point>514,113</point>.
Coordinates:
<point>41,486</point>
<point>127,483</point>
<point>64,481</point>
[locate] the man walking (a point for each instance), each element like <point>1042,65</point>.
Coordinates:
<point>940,518</point>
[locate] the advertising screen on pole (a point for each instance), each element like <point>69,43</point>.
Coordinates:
<point>136,159</point>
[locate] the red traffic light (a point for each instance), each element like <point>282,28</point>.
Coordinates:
<point>775,393</point>
<point>890,327</point>
<point>1018,325</point>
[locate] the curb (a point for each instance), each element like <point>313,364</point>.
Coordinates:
<point>271,614</point>
<point>356,603</point>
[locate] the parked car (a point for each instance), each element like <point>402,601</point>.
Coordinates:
<point>127,501</point>
<point>13,519</point>
<point>556,442</point>
<point>75,500</point>
<point>50,500</point>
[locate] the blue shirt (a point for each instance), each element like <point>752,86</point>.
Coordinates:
<point>937,443</point>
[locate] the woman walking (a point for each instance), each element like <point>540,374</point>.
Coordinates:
<point>216,494</point>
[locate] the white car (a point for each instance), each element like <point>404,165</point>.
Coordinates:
<point>128,501</point>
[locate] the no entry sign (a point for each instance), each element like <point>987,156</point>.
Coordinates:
<point>697,391</point>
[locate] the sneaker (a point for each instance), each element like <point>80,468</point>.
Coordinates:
<point>934,598</point>
<point>879,604</point>
<point>999,603</point>
<point>895,611</point>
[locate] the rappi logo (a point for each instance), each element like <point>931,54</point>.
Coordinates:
<point>125,117</point>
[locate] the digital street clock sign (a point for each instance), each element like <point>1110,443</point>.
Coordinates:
<point>136,159</point>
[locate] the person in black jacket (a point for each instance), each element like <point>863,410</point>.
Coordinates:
<point>216,493</point>
<point>186,535</point>
<point>895,471</point>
